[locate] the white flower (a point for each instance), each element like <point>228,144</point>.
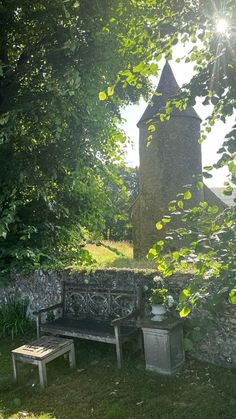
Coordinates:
<point>158,279</point>
<point>170,300</point>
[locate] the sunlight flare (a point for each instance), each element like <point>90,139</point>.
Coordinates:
<point>222,26</point>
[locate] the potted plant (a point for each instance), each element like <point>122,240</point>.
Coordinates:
<point>158,302</point>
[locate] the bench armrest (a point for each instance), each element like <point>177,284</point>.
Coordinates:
<point>44,310</point>
<point>120,320</point>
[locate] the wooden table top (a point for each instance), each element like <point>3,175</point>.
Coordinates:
<point>43,347</point>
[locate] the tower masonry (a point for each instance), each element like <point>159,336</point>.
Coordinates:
<point>167,162</point>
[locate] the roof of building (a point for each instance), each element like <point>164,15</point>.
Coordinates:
<point>229,200</point>
<point>167,89</point>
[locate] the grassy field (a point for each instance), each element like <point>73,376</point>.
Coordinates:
<point>117,255</point>
<point>96,389</point>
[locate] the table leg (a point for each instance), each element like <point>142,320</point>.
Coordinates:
<point>42,374</point>
<point>72,357</point>
<point>14,362</point>
<point>118,346</point>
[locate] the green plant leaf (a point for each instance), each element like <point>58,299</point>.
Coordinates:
<point>187,195</point>
<point>151,128</point>
<point>110,91</point>
<point>188,344</point>
<point>102,95</point>
<point>151,254</point>
<point>185,312</point>
<point>166,219</point>
<point>183,295</point>
<point>159,226</point>
<point>232,296</point>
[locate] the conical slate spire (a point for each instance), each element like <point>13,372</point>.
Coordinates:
<point>166,90</point>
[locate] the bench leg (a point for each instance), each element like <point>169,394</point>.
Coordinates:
<point>42,374</point>
<point>14,362</point>
<point>118,346</point>
<point>72,357</point>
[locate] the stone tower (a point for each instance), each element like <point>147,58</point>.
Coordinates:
<point>167,162</point>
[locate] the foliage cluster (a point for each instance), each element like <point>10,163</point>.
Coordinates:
<point>207,241</point>
<point>58,141</point>
<point>13,317</point>
<point>159,296</point>
<point>121,195</point>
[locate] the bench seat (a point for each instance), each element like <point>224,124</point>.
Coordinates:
<point>89,329</point>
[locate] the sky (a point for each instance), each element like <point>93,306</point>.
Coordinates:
<point>183,73</point>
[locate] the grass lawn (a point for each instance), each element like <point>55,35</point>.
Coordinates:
<point>96,389</point>
<point>116,255</point>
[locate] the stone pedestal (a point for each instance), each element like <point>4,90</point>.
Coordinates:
<point>163,345</point>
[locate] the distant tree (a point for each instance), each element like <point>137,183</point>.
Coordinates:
<point>121,195</point>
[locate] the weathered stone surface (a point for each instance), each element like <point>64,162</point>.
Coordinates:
<point>168,162</point>
<point>219,345</point>
<point>43,289</point>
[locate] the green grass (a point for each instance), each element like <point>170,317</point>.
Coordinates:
<point>111,254</point>
<point>96,389</point>
<point>116,255</point>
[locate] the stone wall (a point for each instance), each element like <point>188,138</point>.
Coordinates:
<point>43,289</point>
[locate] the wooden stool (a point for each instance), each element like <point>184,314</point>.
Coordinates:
<point>42,351</point>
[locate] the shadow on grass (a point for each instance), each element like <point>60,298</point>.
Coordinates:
<point>97,389</point>
<point>128,263</point>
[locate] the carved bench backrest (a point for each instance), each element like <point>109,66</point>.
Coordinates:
<point>89,301</point>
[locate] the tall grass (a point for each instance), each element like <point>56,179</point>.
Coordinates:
<point>13,317</point>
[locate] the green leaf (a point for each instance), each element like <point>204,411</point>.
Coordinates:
<point>208,168</point>
<point>213,209</point>
<point>175,256</point>
<point>228,191</point>
<point>102,95</point>
<point>232,296</point>
<point>151,128</point>
<point>166,219</point>
<point>172,206</point>
<point>180,204</point>
<point>110,90</point>
<point>199,185</point>
<point>188,344</point>
<point>187,195</point>
<point>151,254</point>
<point>183,295</point>
<point>203,204</point>
<point>138,68</point>
<point>153,68</point>
<point>206,175</point>
<point>185,312</point>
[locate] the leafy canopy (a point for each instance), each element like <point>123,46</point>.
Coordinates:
<point>58,141</point>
